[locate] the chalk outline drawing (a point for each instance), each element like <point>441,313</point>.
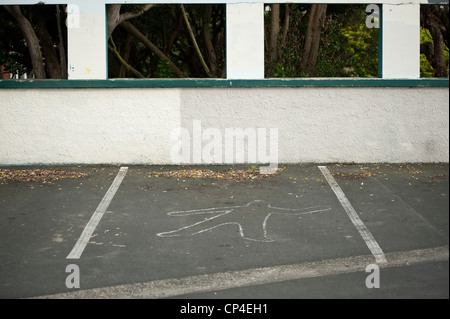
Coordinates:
<point>238,218</point>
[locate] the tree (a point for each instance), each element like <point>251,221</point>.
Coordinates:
<point>115,18</point>
<point>168,41</point>
<point>31,39</point>
<point>165,41</point>
<point>309,39</point>
<point>321,40</point>
<point>44,39</point>
<point>435,19</point>
<point>274,31</point>
<point>135,32</point>
<point>312,41</point>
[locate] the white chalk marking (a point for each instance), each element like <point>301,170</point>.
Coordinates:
<point>362,229</point>
<point>240,216</point>
<point>97,216</point>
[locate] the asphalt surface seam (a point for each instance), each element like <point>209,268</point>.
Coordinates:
<point>227,280</point>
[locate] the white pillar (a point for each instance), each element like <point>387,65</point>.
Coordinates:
<point>401,41</point>
<point>86,45</point>
<point>245,40</point>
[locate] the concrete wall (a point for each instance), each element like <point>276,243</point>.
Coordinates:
<point>133,125</point>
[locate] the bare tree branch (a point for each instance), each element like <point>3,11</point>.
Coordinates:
<point>138,35</point>
<point>115,18</point>
<point>113,49</point>
<point>211,54</point>
<point>130,15</point>
<point>197,49</point>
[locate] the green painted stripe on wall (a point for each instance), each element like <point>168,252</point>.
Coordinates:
<point>214,83</point>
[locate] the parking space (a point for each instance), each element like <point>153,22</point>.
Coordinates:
<point>159,229</point>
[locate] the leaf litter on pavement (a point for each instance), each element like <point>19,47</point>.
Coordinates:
<point>38,175</point>
<point>249,174</point>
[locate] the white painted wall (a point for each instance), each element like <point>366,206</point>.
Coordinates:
<point>59,126</point>
<point>401,41</point>
<point>133,126</point>
<point>87,125</point>
<point>86,44</point>
<point>245,41</point>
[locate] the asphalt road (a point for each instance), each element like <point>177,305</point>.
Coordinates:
<point>291,236</point>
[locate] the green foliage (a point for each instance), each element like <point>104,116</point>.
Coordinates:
<point>361,50</point>
<point>426,70</point>
<point>163,70</point>
<point>347,48</point>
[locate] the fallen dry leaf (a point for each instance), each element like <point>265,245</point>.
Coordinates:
<point>439,176</point>
<point>355,176</point>
<point>230,174</point>
<point>38,175</point>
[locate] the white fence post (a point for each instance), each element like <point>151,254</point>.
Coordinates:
<point>86,45</point>
<point>401,41</point>
<point>245,40</point>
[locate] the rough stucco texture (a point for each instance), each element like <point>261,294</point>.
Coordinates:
<point>133,126</point>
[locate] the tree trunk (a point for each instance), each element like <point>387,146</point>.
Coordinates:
<point>61,49</point>
<point>274,31</point>
<point>174,35</point>
<point>31,39</point>
<point>438,61</point>
<point>48,48</point>
<point>113,49</point>
<point>194,42</point>
<point>312,39</point>
<point>115,18</point>
<point>211,54</point>
<point>286,22</point>
<point>125,55</point>
<point>436,56</point>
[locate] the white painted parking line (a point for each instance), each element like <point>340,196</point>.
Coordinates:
<point>362,229</point>
<point>97,216</point>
